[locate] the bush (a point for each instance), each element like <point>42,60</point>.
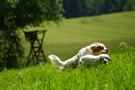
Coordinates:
<point>11,50</point>
<point>2,63</point>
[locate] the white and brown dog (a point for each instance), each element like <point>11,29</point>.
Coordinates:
<point>92,60</point>
<point>92,49</point>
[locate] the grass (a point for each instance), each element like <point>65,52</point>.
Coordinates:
<point>116,75</point>
<point>73,34</point>
<point>66,40</point>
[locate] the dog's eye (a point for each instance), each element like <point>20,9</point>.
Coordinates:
<point>102,47</point>
<point>106,58</point>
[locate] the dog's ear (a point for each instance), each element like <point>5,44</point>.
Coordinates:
<point>96,48</point>
<point>93,48</point>
<point>99,48</point>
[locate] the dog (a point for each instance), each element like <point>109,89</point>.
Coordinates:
<point>91,60</point>
<point>93,49</point>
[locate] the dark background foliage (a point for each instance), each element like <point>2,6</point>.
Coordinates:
<point>16,14</point>
<point>78,8</point>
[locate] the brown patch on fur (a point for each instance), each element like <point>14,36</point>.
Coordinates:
<point>99,48</point>
<point>95,47</point>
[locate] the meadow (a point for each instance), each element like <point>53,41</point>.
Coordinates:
<point>116,31</point>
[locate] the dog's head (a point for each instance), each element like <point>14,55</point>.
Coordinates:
<point>104,58</point>
<point>98,48</point>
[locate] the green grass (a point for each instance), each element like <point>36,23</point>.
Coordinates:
<point>72,34</point>
<point>116,75</point>
<point>66,40</point>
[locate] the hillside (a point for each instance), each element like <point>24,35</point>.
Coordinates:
<point>96,28</point>
<point>73,34</point>
<point>65,40</point>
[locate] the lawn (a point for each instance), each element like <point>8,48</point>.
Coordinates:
<point>65,40</point>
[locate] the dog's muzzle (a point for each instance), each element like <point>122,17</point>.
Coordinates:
<point>105,51</point>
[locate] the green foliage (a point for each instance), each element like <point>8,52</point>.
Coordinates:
<point>77,8</point>
<point>95,6</point>
<point>105,6</point>
<point>73,8</point>
<point>13,49</point>
<point>130,5</point>
<point>16,14</point>
<point>2,47</point>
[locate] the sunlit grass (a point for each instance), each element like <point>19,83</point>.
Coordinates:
<point>66,40</point>
<point>118,74</point>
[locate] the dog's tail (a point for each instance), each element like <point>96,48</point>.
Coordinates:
<point>55,60</point>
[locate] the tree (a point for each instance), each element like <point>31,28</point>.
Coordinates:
<point>66,6</point>
<point>113,5</point>
<point>73,8</point>
<point>16,14</point>
<point>95,6</point>
<point>77,8</point>
<point>130,5</point>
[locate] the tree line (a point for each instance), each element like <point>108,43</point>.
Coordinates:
<point>78,8</point>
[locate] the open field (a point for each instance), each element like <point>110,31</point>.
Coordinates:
<point>66,40</point>
<point>73,34</point>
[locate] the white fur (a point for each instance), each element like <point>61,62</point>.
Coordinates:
<point>91,60</point>
<point>63,64</point>
<point>74,60</point>
<point>87,51</point>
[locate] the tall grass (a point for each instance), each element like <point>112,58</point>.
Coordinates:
<point>118,74</point>
<point>65,41</point>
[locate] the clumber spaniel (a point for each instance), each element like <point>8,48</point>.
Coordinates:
<point>92,49</point>
<point>91,60</point>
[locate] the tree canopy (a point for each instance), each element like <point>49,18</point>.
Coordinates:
<point>16,14</point>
